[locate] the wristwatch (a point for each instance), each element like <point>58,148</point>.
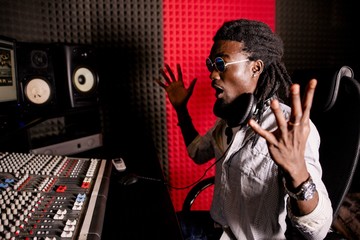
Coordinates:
<point>306,190</point>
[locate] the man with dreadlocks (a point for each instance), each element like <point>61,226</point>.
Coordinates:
<point>268,176</point>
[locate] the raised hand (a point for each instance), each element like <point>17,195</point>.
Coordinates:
<point>175,89</point>
<point>287,144</point>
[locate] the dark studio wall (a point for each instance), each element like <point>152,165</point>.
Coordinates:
<point>129,37</point>
<point>319,34</point>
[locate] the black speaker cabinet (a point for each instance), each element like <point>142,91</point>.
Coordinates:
<point>35,73</point>
<point>77,75</point>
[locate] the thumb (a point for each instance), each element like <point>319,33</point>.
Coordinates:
<point>192,85</point>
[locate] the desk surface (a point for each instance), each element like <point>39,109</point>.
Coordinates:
<point>142,210</point>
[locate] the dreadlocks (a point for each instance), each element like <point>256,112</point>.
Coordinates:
<point>261,43</point>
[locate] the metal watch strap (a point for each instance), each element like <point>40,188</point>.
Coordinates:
<point>306,190</point>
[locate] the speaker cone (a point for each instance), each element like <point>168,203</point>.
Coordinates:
<point>37,91</point>
<point>84,80</point>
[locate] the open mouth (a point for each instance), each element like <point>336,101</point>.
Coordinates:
<point>218,90</point>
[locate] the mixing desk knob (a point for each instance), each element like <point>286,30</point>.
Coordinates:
<point>66,234</point>
<point>69,228</point>
<point>71,222</point>
<point>48,238</point>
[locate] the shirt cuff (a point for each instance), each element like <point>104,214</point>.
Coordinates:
<point>319,218</point>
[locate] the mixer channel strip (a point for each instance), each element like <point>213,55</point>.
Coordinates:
<point>50,197</point>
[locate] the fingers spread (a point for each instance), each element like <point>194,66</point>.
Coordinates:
<point>268,136</point>
<point>160,83</point>
<point>296,109</point>
<point>163,73</point>
<point>180,77</point>
<point>308,99</point>
<point>280,119</point>
<point>170,72</point>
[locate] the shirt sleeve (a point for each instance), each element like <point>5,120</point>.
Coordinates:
<point>316,224</point>
<point>200,149</point>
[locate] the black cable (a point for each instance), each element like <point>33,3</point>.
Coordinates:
<point>204,174</point>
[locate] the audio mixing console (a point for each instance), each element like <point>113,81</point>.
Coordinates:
<point>52,197</point>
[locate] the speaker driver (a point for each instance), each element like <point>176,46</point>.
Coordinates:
<point>84,80</point>
<point>39,59</point>
<point>37,91</point>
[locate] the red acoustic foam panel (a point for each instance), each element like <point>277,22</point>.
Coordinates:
<point>188,30</point>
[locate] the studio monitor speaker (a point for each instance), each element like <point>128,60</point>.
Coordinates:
<point>35,71</point>
<point>77,78</point>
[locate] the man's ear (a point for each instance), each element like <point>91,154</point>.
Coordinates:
<point>258,67</point>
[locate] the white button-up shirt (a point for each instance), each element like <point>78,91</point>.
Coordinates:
<point>249,195</point>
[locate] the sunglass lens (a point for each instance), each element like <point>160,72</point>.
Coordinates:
<point>220,64</point>
<point>209,65</point>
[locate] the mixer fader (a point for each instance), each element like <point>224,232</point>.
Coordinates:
<point>52,197</point>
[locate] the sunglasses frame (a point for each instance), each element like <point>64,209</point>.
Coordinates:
<point>213,65</point>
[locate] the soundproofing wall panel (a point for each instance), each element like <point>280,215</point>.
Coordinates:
<point>188,30</point>
<point>319,34</point>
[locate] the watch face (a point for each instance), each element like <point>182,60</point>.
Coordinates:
<point>309,192</point>
<point>37,91</point>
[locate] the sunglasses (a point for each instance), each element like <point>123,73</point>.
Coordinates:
<point>220,64</point>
